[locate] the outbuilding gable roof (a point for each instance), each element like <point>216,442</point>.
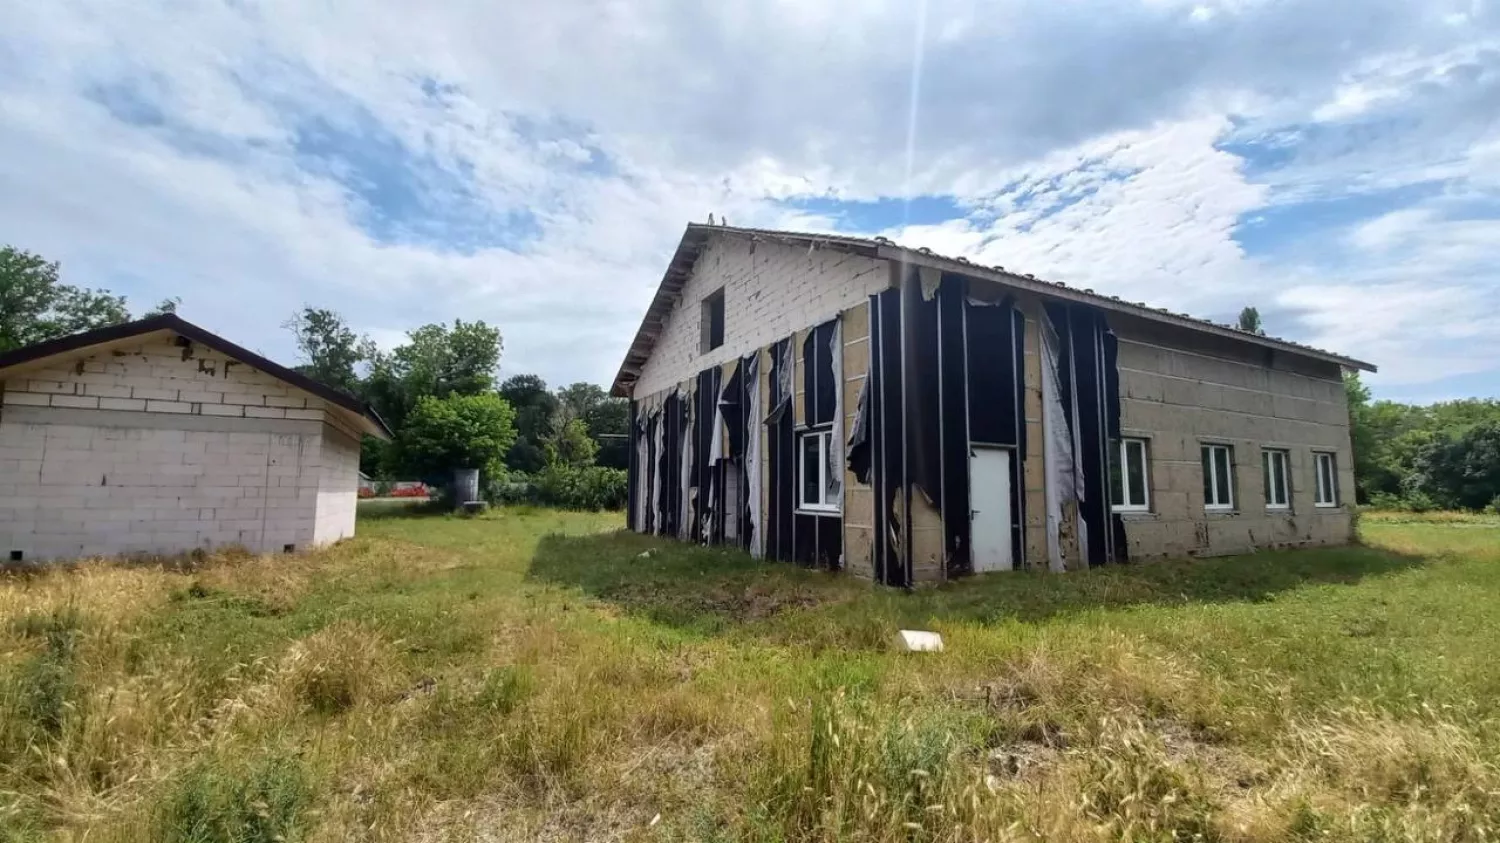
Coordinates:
<point>697,236</point>
<point>172,323</point>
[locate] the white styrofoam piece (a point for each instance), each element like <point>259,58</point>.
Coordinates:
<point>920,641</point>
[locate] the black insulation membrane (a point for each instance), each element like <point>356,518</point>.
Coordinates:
<point>946,374</point>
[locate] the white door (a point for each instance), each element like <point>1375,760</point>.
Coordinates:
<point>989,502</point>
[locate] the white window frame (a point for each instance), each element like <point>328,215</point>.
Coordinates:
<point>1270,456</point>
<point>1123,444</point>
<point>1212,466</point>
<point>1325,495</point>
<point>823,505</point>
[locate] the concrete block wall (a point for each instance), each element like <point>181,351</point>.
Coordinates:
<point>770,290</point>
<point>1194,393</point>
<point>160,449</point>
<point>338,486</point>
<point>157,376</point>
<point>859,499</point>
<point>69,490</point>
<point>1034,547</point>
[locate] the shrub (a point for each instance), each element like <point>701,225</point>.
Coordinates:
<point>1414,500</point>
<point>503,690</point>
<point>569,487</point>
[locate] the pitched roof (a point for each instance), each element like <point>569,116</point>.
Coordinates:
<point>697,236</point>
<point>171,322</point>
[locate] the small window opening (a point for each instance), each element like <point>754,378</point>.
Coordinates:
<point>1273,471</point>
<point>17,556</point>
<point>818,481</point>
<point>1218,478</point>
<point>1327,489</point>
<point>713,320</point>
<point>289,548</point>
<point>1129,489</point>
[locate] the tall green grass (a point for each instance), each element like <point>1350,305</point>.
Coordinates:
<point>532,674</point>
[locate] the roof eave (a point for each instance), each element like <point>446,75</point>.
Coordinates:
<point>1059,291</point>
<point>74,343</point>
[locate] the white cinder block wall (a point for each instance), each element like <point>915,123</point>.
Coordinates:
<point>770,290</point>
<point>162,449</point>
<point>338,486</point>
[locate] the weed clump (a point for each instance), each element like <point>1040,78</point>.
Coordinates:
<point>337,668</point>
<point>37,697</point>
<point>265,803</point>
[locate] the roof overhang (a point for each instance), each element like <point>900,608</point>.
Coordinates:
<point>359,414</point>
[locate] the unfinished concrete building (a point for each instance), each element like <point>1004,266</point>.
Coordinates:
<point>159,437</point>
<point>850,403</point>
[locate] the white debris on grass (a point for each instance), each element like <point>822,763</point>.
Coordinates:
<point>920,641</point>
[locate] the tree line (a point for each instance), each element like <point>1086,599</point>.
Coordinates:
<point>439,392</point>
<point>1421,457</point>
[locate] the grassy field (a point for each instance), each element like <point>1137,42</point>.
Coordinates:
<point>536,675</point>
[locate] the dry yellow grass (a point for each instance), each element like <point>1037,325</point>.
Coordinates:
<point>531,676</point>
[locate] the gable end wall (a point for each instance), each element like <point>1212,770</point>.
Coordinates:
<point>770,291</point>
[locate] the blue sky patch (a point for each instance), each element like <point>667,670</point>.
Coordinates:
<point>1279,228</point>
<point>868,217</point>
<point>405,196</point>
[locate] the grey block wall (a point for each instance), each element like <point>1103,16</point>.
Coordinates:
<point>1180,390</point>
<point>145,449</point>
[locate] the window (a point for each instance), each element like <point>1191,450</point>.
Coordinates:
<point>1218,477</point>
<point>713,320</point>
<point>1128,489</point>
<point>818,491</point>
<point>1273,470</point>
<point>1328,480</point>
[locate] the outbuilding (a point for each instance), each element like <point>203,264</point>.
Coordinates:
<point>159,437</point>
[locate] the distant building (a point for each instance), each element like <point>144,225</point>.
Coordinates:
<point>158,437</point>
<point>847,402</point>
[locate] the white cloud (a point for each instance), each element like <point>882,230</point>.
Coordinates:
<point>161,149</point>
<point>1141,215</point>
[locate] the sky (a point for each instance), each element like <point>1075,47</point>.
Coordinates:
<point>1335,163</point>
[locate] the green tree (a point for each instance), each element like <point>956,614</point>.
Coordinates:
<point>330,349</point>
<point>458,431</point>
<point>1361,435</point>
<point>1461,468</point>
<point>1250,321</point>
<point>536,411</point>
<point>609,424</point>
<point>35,306</point>
<point>572,446</point>
<point>165,306</point>
<point>436,360</point>
<point>607,420</point>
<point>576,401</point>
